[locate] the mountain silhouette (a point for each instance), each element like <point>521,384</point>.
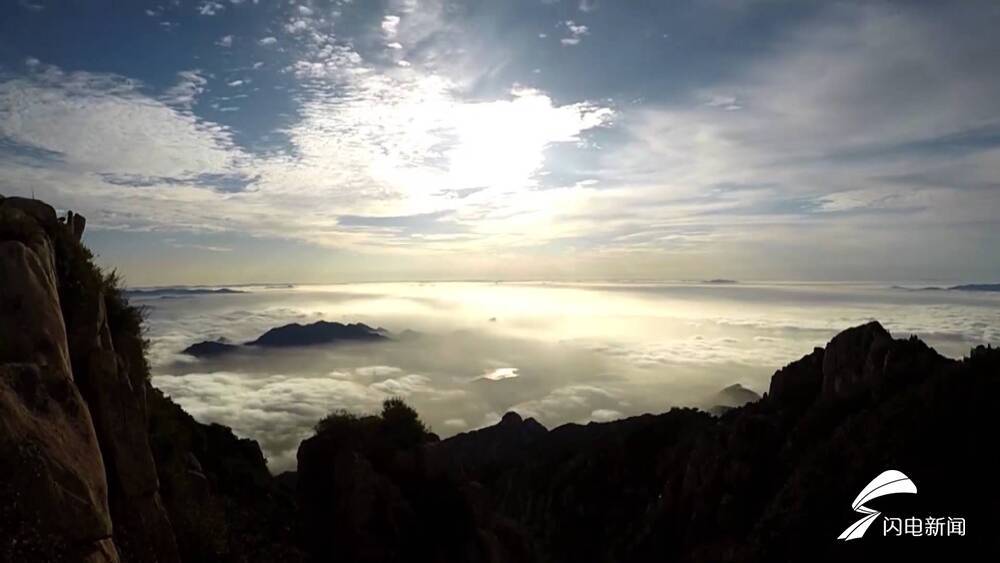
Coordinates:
<point>320,332</point>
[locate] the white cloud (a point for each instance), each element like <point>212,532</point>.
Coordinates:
<point>211,8</point>
<point>64,112</point>
<point>576,33</point>
<point>500,374</point>
<point>605,415</point>
<point>225,41</point>
<point>267,41</point>
<point>296,26</point>
<point>190,84</point>
<point>390,26</point>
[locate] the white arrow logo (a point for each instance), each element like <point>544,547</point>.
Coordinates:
<point>887,483</point>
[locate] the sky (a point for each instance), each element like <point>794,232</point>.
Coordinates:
<point>246,141</point>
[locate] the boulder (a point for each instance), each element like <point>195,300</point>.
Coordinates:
<point>42,212</point>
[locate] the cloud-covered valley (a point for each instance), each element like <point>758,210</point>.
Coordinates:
<point>560,353</point>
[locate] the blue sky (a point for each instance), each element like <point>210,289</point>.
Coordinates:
<point>243,141</point>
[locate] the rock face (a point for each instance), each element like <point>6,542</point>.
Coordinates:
<point>79,480</point>
<point>53,491</point>
<point>853,358</point>
<point>798,383</point>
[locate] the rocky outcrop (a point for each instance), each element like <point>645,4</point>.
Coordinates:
<point>97,465</point>
<point>859,358</point>
<point>798,384</point>
<point>111,374</point>
<point>853,358</point>
<point>367,494</point>
<point>53,489</point>
<point>772,480</point>
<point>493,446</point>
<point>222,502</point>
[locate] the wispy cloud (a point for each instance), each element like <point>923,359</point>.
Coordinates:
<point>576,33</point>
<point>211,8</point>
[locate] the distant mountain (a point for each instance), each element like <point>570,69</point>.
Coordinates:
<point>720,281</point>
<point>731,397</point>
<point>180,291</point>
<point>976,287</point>
<point>987,287</point>
<point>210,349</point>
<point>295,334</point>
<point>320,332</point>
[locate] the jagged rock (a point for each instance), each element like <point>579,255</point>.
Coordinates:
<point>369,496</point>
<point>771,480</point>
<point>77,224</point>
<point>854,357</point>
<point>799,382</point>
<point>478,450</point>
<point>222,502</point>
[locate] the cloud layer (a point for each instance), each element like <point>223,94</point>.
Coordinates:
<point>571,353</point>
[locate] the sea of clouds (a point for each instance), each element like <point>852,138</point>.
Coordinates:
<point>557,352</point>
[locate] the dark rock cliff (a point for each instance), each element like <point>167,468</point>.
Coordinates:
<point>769,481</point>
<point>80,479</point>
